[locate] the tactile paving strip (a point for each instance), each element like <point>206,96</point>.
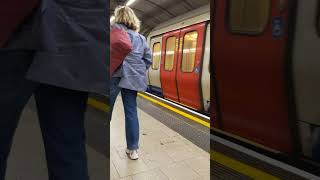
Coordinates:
<point>219,172</point>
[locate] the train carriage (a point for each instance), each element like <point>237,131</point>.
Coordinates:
<point>267,74</point>
<point>181,55</point>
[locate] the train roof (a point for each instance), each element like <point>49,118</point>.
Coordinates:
<point>193,17</point>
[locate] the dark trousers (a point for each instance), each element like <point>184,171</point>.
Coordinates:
<point>60,112</point>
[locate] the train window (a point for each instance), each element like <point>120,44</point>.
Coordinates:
<point>189,51</point>
<point>156,56</point>
<point>170,53</point>
<point>248,16</point>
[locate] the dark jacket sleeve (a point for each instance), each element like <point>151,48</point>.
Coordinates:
<point>74,41</point>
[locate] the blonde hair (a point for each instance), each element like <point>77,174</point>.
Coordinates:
<point>125,15</point>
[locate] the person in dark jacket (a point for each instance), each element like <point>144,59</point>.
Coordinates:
<point>131,76</point>
<point>58,54</point>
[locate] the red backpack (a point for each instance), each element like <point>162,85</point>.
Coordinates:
<point>120,47</point>
<point>12,14</point>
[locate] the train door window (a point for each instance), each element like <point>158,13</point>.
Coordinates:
<point>248,16</point>
<point>156,55</point>
<point>170,53</point>
<point>189,51</point>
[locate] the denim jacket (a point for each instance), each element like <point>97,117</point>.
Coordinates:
<point>133,71</point>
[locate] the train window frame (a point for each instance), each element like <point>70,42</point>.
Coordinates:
<point>158,65</point>
<point>182,45</point>
<point>243,32</point>
<point>165,53</point>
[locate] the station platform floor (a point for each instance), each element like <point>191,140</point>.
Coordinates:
<point>164,153</point>
<point>27,157</point>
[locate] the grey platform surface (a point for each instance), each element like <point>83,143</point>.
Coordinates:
<point>27,158</point>
<point>165,153</point>
<point>194,132</point>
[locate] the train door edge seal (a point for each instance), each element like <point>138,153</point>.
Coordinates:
<point>288,65</point>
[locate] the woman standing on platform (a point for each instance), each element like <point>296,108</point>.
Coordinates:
<point>131,76</point>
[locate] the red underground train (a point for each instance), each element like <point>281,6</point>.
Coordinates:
<point>265,83</point>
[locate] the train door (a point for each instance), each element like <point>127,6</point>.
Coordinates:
<point>306,72</point>
<point>168,66</point>
<point>190,64</point>
<point>205,79</point>
<point>154,71</point>
<point>249,50</point>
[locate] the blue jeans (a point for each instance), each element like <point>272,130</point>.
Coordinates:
<point>61,117</point>
<point>129,99</point>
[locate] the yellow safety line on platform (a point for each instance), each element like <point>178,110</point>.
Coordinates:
<point>241,167</point>
<point>198,120</point>
<point>98,105</point>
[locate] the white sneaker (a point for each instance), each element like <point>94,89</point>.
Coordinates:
<point>132,154</point>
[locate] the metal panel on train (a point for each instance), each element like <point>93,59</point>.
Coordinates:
<point>249,51</point>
